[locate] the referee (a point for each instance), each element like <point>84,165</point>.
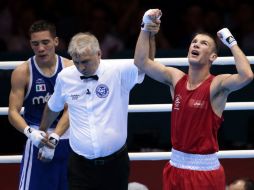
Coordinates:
<point>97,95</point>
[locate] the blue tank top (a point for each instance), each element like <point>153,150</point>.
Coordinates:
<point>39,91</point>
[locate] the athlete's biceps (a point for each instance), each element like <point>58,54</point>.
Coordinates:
<point>231,82</point>
<point>18,87</point>
<point>15,101</point>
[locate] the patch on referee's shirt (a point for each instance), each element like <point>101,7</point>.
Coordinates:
<point>102,91</point>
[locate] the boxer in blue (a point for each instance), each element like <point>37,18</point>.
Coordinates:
<point>32,84</point>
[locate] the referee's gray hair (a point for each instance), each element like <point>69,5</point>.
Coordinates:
<point>83,43</point>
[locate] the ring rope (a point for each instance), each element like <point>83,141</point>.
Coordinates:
<point>224,154</point>
<point>7,65</point>
<point>164,107</point>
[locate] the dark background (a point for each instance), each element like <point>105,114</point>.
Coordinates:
<point>117,24</point>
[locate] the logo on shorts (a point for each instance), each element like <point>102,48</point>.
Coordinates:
<point>102,91</point>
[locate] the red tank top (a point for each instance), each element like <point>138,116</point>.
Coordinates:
<point>194,125</point>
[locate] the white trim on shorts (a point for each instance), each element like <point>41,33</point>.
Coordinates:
<point>200,162</point>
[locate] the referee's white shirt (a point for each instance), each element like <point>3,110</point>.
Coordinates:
<point>98,110</point>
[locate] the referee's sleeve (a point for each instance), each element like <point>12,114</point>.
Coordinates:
<point>56,101</point>
<point>131,75</point>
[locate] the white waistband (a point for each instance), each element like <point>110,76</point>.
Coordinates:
<point>50,130</point>
<point>201,162</point>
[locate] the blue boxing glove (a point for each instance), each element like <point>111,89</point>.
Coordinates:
<point>226,37</point>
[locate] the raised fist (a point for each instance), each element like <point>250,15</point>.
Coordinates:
<point>226,37</point>
<point>151,18</point>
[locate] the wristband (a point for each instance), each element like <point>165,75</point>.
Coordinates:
<point>27,131</point>
<point>54,139</point>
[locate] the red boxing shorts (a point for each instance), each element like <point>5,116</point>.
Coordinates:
<point>179,175</point>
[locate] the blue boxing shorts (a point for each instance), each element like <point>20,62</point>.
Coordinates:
<point>38,175</point>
